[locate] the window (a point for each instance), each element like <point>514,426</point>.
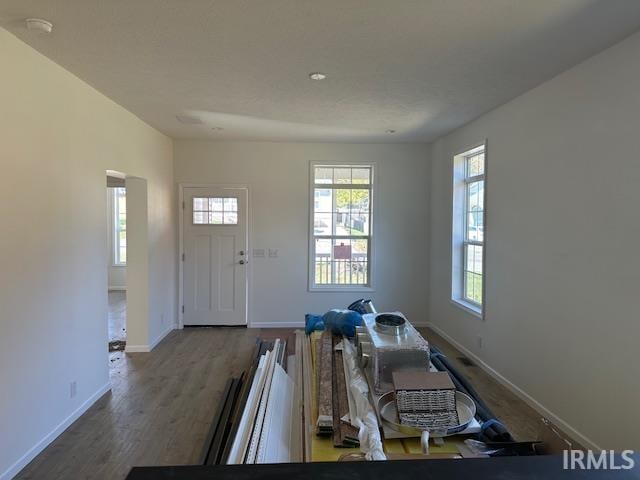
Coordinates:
<point>215,211</point>
<point>120,226</point>
<point>341,226</point>
<point>468,228</point>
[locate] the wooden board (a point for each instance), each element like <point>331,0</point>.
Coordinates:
<point>325,393</point>
<point>348,433</point>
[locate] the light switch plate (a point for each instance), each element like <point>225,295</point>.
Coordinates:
<point>273,252</point>
<point>258,252</point>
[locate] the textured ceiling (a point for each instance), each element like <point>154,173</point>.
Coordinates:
<point>420,67</point>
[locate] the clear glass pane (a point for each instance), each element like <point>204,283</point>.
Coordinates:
<point>200,204</point>
<point>475,165</point>
<point>342,175</point>
<point>360,199</point>
<point>230,218</point>
<point>473,258</point>
<point>322,223</point>
<point>359,223</point>
<point>473,287</point>
<point>230,204</point>
<point>341,221</point>
<point>215,218</point>
<point>341,256</point>
<point>216,204</point>
<point>123,254</point>
<point>361,176</point>
<point>322,262</point>
<point>323,175</point>
<point>343,199</point>
<point>359,262</point>
<point>200,218</point>
<point>322,200</point>
<point>473,196</point>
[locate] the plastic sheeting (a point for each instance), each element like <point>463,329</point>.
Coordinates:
<point>366,419</point>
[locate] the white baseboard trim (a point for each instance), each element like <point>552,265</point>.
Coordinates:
<point>147,348</point>
<point>136,348</point>
<point>528,399</point>
<point>115,288</point>
<point>276,325</point>
<point>160,337</point>
<point>14,469</point>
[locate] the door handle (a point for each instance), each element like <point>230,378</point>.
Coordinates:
<point>241,252</point>
<point>242,262</point>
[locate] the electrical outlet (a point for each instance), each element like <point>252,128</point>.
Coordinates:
<point>73,389</point>
<point>162,319</point>
<point>479,342</point>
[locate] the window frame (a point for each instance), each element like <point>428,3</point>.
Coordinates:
<point>115,212</point>
<point>460,238</point>
<point>466,241</point>
<point>335,287</point>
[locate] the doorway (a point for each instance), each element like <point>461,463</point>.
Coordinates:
<point>215,259</point>
<point>117,261</point>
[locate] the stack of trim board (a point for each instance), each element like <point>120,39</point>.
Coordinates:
<point>425,400</point>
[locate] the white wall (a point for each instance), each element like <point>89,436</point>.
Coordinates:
<point>277,175</point>
<point>563,262</point>
<point>58,136</point>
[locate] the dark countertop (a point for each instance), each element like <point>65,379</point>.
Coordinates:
<point>546,467</point>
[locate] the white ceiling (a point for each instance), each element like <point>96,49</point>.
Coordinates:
<point>420,67</point>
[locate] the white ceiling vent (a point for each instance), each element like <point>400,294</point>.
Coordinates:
<point>189,120</point>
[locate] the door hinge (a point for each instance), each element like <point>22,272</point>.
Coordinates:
<point>183,257</point>
<point>182,308</point>
<point>183,204</point>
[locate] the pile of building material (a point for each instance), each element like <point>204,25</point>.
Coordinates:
<point>425,400</point>
<point>265,426</point>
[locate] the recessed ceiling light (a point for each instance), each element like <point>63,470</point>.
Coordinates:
<point>317,76</point>
<point>390,131</point>
<point>39,25</point>
<point>217,129</point>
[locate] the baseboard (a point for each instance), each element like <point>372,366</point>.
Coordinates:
<point>277,325</point>
<point>116,288</point>
<point>14,469</point>
<point>528,399</point>
<point>160,337</point>
<point>147,348</point>
<point>137,348</point>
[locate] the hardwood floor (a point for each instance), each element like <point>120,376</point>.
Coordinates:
<point>161,405</point>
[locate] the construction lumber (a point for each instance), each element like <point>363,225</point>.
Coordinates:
<point>307,399</point>
<point>325,391</point>
<point>348,433</point>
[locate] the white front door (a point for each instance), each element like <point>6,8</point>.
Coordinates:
<point>215,256</point>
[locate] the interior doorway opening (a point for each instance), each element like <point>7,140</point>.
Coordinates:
<point>117,261</point>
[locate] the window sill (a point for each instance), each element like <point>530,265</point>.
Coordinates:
<point>337,289</point>
<point>468,307</point>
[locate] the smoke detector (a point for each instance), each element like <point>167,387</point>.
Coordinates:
<point>39,25</point>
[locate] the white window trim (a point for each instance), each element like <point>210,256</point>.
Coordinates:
<point>116,230</point>
<point>459,240</point>
<point>334,288</point>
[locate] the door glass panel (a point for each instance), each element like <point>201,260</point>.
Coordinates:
<point>215,211</point>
